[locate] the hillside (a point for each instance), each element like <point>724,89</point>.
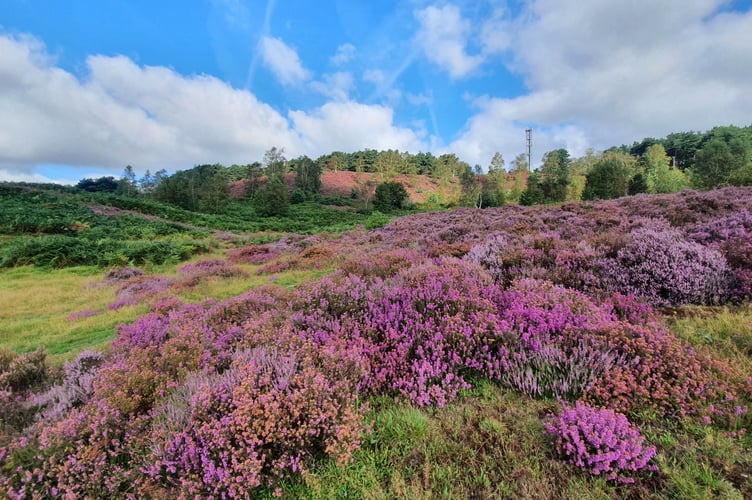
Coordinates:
<point>582,350</point>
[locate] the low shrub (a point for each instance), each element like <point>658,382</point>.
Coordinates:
<point>660,265</point>
<point>23,372</point>
<point>600,442</point>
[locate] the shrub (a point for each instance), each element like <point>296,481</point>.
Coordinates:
<point>75,389</point>
<point>24,371</point>
<point>262,420</point>
<point>254,254</point>
<point>376,220</point>
<point>417,333</point>
<point>215,267</point>
<point>390,196</point>
<point>600,442</point>
<point>140,288</point>
<point>659,264</point>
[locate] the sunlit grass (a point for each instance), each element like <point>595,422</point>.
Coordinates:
<point>36,304</point>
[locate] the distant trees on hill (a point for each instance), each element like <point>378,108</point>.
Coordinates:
<point>716,158</point>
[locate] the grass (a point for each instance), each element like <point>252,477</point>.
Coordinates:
<point>37,304</point>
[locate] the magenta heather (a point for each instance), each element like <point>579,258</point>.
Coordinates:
<point>600,442</point>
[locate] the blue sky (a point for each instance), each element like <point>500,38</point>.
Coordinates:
<point>87,87</point>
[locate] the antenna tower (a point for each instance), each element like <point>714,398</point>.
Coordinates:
<point>529,139</point>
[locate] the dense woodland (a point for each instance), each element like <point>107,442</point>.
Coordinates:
<point>701,160</point>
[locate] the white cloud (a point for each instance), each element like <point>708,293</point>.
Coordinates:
<point>345,54</point>
<point>283,61</point>
<point>149,117</point>
<point>152,118</point>
<point>604,74</point>
<point>442,35</point>
<point>351,126</point>
<point>375,76</point>
<point>337,86</point>
<point>11,176</point>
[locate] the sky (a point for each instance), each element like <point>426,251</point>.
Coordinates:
<point>90,86</point>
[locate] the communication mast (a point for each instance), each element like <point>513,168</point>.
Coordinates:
<point>529,139</point>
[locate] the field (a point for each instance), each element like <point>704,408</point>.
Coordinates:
<point>583,350</point>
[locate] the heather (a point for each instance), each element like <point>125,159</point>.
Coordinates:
<point>599,441</point>
<point>522,347</point>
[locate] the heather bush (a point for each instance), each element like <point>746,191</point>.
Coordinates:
<point>659,264</point>
<point>86,313</point>
<point>560,371</point>
<point>381,264</point>
<point>263,419</point>
<point>600,442</point>
<point>74,390</point>
<point>418,333</point>
<point>617,354</point>
<point>139,289</point>
<point>722,229</point>
<point>212,267</point>
<point>120,274</point>
<point>22,372</point>
<point>254,254</point>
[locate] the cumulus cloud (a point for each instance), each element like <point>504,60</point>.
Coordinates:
<point>283,61</point>
<point>351,126</point>
<point>152,117</point>
<point>442,35</point>
<point>121,113</point>
<point>602,74</point>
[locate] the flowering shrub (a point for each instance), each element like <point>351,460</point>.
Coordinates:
<point>121,274</point>
<point>659,264</point>
<point>86,313</point>
<point>416,333</point>
<point>600,442</point>
<point>254,254</point>
<point>74,390</point>
<point>263,419</point>
<point>21,372</point>
<point>136,290</point>
<point>214,267</point>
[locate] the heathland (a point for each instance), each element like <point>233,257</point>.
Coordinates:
<point>583,349</point>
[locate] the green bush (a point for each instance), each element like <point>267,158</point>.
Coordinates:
<point>376,220</point>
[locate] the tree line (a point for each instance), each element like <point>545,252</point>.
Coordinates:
<point>719,157</point>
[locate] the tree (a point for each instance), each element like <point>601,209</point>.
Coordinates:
<point>273,201</point>
<point>520,170</point>
<point>275,162</point>
<point>607,179</point>
<point>660,176</point>
<point>127,183</point>
<point>497,163</point>
<point>713,165</point>
<point>533,193</point>
<point>146,183</point>
<point>253,179</point>
<point>472,190</point>
<point>390,196</point>
<point>307,175</point>
<point>100,185</point>
<point>388,163</point>
<point>554,177</point>
<point>425,162</point>
<point>204,187</point>
<point>638,184</point>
